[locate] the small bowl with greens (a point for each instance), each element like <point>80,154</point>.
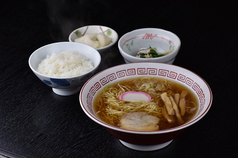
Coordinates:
<point>99,37</point>
<point>149,45</point>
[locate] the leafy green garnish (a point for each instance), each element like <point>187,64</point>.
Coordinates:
<point>151,54</point>
<point>154,54</point>
<point>143,55</point>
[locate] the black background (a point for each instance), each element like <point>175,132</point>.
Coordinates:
<point>36,123</point>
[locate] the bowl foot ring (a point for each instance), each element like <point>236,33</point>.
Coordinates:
<point>146,147</point>
<point>65,92</point>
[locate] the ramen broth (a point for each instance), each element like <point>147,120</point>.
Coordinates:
<point>110,108</point>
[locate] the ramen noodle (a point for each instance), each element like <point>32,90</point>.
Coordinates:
<point>171,102</point>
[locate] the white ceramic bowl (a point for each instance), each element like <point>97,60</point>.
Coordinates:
<point>146,141</point>
<point>64,85</point>
<point>130,43</point>
<point>96,29</point>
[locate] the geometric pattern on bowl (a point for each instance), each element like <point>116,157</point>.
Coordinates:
<point>147,71</point>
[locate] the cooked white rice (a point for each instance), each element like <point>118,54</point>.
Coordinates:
<point>65,64</point>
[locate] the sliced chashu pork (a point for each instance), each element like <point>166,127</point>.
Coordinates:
<point>139,121</point>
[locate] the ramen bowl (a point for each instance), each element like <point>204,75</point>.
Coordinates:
<point>92,29</point>
<point>64,85</point>
<point>143,140</point>
<point>164,41</point>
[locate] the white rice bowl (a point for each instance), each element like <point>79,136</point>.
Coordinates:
<point>80,62</point>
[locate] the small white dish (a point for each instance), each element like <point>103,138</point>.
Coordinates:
<point>95,29</point>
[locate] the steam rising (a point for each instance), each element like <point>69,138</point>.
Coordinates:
<point>67,15</point>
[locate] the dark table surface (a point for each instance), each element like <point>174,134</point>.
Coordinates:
<point>36,123</point>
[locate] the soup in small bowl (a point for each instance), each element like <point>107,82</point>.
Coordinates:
<point>146,105</point>
<point>149,45</point>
